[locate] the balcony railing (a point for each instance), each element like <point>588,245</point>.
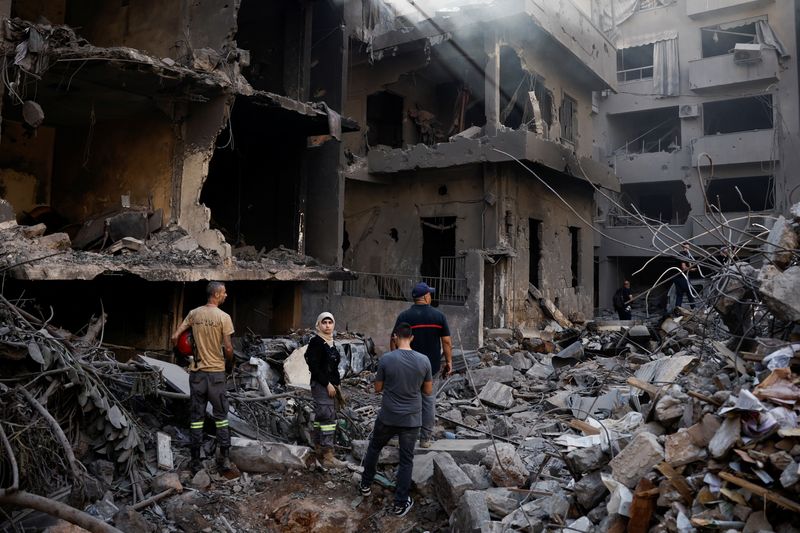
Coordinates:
<point>449,291</point>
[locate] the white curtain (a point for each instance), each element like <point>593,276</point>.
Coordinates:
<point>608,14</point>
<point>767,37</point>
<point>666,69</point>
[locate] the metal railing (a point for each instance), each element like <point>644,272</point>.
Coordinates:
<point>449,290</point>
<point>638,73</point>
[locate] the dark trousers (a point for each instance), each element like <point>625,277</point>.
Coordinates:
<point>207,387</point>
<point>624,314</point>
<point>324,416</point>
<point>381,435</point>
<point>681,288</point>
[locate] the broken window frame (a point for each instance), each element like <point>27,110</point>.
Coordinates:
<point>718,206</point>
<point>708,115</point>
<point>645,72</point>
<point>728,28</point>
<point>568,115</point>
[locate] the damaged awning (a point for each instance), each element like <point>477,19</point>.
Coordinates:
<point>316,118</point>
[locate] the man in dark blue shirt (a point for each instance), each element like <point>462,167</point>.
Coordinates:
<point>432,339</point>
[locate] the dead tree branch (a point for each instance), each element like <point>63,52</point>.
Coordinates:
<point>56,508</point>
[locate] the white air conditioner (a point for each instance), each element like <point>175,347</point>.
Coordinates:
<point>689,111</point>
<point>746,53</point>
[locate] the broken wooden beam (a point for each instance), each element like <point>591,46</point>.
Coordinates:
<point>585,427</point>
<point>758,490</point>
<point>677,481</point>
<point>549,307</point>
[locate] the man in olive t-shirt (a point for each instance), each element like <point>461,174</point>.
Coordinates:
<point>211,329</point>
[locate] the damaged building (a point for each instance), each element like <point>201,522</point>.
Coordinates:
<point>702,130</point>
<point>148,147</point>
<point>473,169</point>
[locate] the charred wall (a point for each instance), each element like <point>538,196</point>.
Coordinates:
<point>97,164</point>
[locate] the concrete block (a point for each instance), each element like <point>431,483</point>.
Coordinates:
<point>55,241</point>
<point>478,474</point>
<point>499,333</point>
<point>500,374</point>
<point>725,437</point>
<point>506,466</point>
<point>585,460</point>
<point>521,362</point>
<point>187,243</point>
<point>540,371</point>
<point>590,490</point>
<point>7,212</point>
<point>779,291</point>
<point>502,501</point>
<point>497,395</point>
<point>681,450</point>
<point>422,474</point>
<point>637,459</point>
<point>390,455</point>
<point>260,457</point>
<point>32,232</point>
<point>167,480</point>
<point>471,513</point>
<point>781,240</point>
<point>449,482</point>
<point>461,450</point>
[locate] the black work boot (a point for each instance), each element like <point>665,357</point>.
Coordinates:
<point>224,459</point>
<point>195,465</point>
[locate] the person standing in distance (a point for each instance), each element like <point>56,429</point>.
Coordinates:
<point>212,329</point>
<point>404,377</point>
<point>432,339</point>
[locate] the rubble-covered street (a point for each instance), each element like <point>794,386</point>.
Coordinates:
<point>666,424</point>
<point>218,217</point>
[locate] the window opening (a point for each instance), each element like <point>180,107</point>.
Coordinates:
<point>635,63</point>
<point>569,118</point>
<point>757,193</point>
<point>717,41</point>
<point>438,240</point>
<point>740,114</point>
<point>534,250</point>
<point>641,132</point>
<point>574,235</point>
<point>385,119</point>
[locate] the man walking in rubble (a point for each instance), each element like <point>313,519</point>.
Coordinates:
<point>212,329</point>
<point>432,339</point>
<point>404,377</point>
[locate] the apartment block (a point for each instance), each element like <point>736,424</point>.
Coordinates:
<point>703,128</point>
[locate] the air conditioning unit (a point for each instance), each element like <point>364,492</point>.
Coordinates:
<point>689,111</point>
<point>746,53</point>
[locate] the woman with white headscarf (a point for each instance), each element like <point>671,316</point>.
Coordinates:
<point>323,362</point>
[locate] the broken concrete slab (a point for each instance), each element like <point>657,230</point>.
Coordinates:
<point>779,291</point>
<point>637,459</point>
<point>506,466</point>
<point>478,474</point>
<point>422,472</point>
<point>167,480</point>
<point>590,490</point>
<point>449,481</point>
<point>461,450</point>
<point>589,459</point>
<point>502,501</point>
<point>521,362</point>
<point>390,455</point>
<point>725,438</point>
<point>781,242</point>
<point>540,371</point>
<point>472,512</point>
<point>680,449</point>
<point>497,395</point>
<point>259,456</point>
<point>55,241</point>
<point>500,374</point>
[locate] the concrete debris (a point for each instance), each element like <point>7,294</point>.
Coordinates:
<point>497,395</point>
<point>472,512</point>
<point>637,459</point>
<point>449,481</point>
<point>260,457</point>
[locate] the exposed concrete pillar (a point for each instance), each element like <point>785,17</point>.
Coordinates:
<point>609,280</point>
<point>492,82</point>
<point>492,196</point>
<point>473,267</point>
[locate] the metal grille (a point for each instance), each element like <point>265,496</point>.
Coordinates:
<point>449,290</point>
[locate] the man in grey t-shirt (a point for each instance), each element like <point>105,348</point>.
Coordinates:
<point>403,376</point>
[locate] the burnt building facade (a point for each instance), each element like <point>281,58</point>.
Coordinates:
<point>166,144</point>
<point>473,169</point>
